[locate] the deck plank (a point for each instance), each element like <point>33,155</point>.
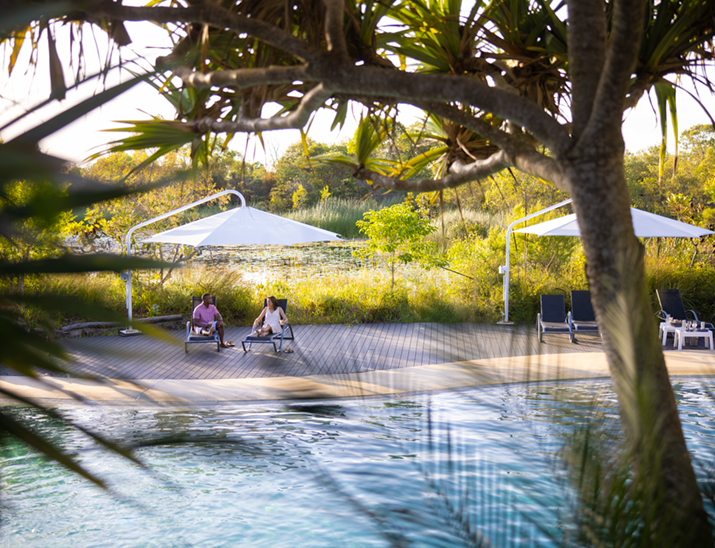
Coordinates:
<point>318,349</point>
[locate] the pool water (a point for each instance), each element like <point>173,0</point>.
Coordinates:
<point>434,469</point>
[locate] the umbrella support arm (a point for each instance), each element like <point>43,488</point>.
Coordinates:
<point>505,268</point>
<point>127,276</point>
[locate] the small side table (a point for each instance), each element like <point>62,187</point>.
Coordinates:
<point>666,328</point>
<point>681,334</point>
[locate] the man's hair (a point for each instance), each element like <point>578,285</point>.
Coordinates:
<point>205,295</point>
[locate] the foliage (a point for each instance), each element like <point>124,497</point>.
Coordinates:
<point>337,214</point>
<point>33,209</point>
<point>35,237</point>
<point>38,193</point>
<point>181,185</point>
<point>299,197</point>
<point>295,170</point>
<point>528,85</point>
<point>399,231</point>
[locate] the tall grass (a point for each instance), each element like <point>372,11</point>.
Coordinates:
<point>364,296</point>
<point>341,298</point>
<point>459,225</point>
<point>338,215</point>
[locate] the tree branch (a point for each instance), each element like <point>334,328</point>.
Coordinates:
<point>209,14</point>
<point>496,136</point>
<point>343,77</point>
<point>334,33</point>
<point>519,149</point>
<point>297,119</point>
<point>240,78</point>
<point>587,53</point>
<point>411,87</point>
<point>532,162</point>
<point>459,174</point>
<point>627,28</point>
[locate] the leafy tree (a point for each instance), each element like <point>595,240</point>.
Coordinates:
<point>399,231</point>
<point>35,237</point>
<point>296,168</point>
<point>116,217</point>
<point>543,85</point>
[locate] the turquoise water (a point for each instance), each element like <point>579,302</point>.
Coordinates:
<point>338,473</point>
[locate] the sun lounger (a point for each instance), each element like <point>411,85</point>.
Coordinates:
<point>276,339</point>
<point>671,304</point>
<point>553,316</point>
<point>582,317</point>
<point>196,338</point>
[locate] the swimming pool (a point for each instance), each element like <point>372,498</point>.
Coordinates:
<point>335,473</point>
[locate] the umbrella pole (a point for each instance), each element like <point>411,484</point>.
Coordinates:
<point>504,269</point>
<point>127,276</point>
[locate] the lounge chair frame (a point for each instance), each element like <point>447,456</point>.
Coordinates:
<point>273,338</point>
<point>553,316</point>
<point>195,338</point>
<point>582,317</point>
<point>671,303</point>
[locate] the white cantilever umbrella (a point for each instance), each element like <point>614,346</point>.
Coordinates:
<point>645,225</point>
<point>239,226</point>
<point>243,226</point>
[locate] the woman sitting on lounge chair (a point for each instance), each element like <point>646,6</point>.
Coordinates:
<point>272,316</point>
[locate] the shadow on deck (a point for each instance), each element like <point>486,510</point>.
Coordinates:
<point>317,350</point>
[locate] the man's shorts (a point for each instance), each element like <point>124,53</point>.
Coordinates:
<point>197,329</point>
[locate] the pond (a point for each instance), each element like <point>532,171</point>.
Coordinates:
<point>258,263</point>
<point>299,262</point>
<point>356,473</point>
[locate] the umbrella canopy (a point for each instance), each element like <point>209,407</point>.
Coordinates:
<point>243,226</point>
<point>645,225</point>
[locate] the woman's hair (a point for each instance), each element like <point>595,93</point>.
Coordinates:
<point>274,302</point>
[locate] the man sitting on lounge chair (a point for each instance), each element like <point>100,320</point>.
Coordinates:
<point>207,319</point>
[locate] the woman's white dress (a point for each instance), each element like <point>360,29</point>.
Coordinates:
<point>273,319</point>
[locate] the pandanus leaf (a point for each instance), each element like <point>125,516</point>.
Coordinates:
<point>666,103</point>
<point>67,264</point>
<point>162,135</point>
<point>18,430</point>
<point>18,41</point>
<point>73,113</point>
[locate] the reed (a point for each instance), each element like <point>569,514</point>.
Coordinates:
<point>364,296</point>
<point>337,215</point>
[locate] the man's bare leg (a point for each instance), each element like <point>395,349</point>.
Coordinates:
<point>221,329</point>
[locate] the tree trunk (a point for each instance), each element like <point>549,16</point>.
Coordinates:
<point>616,274</point>
<point>392,269</point>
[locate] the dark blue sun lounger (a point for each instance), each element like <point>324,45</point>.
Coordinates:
<point>194,338</point>
<point>671,304</point>
<point>273,338</point>
<point>582,317</point>
<point>552,317</point>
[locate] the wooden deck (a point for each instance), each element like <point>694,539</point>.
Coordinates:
<point>318,349</point>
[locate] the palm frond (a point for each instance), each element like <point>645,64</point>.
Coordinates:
<point>73,113</point>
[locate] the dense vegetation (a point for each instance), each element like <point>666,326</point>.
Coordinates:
<point>468,230</point>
